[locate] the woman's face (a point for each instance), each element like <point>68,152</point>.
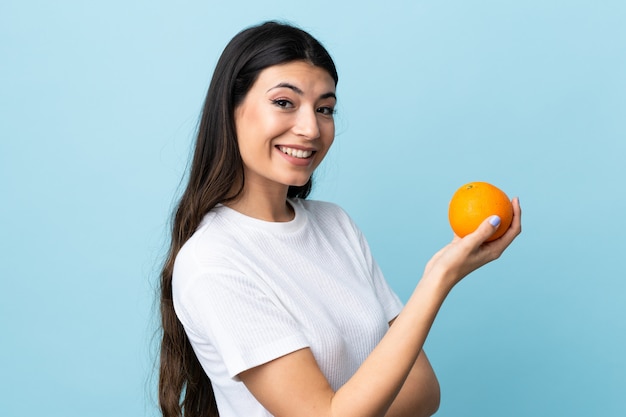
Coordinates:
<point>285,124</point>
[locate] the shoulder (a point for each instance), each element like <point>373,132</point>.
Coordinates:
<point>324,210</point>
<point>208,250</point>
<point>331,218</point>
<point>209,235</point>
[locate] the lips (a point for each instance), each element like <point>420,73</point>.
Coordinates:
<point>296,153</point>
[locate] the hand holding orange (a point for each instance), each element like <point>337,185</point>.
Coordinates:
<point>473,203</point>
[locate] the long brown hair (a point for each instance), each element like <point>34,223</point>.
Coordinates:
<point>217,170</point>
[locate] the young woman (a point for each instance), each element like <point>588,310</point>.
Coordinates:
<point>272,304</point>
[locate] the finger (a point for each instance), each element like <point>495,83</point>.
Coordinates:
<point>516,225</point>
<point>486,229</point>
<point>517,214</point>
<point>513,231</point>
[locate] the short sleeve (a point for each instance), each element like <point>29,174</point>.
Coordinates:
<point>234,316</point>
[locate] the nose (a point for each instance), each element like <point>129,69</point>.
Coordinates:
<point>307,124</point>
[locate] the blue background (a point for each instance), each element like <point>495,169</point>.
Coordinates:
<point>98,106</point>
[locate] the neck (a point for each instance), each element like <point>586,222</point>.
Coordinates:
<point>268,206</point>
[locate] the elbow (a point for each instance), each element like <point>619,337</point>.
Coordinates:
<point>432,393</point>
<point>428,400</point>
<point>431,397</point>
<point>420,395</point>
<point>435,399</point>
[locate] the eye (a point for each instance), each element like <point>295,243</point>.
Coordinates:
<point>326,111</point>
<point>282,103</point>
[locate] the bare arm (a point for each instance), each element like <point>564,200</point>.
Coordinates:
<point>420,393</point>
<point>293,385</point>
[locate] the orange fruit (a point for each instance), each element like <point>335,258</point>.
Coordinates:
<point>473,203</point>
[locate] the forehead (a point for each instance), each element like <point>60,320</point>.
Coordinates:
<point>309,78</point>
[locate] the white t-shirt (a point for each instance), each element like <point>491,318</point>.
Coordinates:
<point>249,291</point>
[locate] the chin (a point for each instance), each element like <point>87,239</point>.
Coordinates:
<point>299,182</point>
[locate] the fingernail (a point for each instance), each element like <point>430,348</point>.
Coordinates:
<point>494,221</point>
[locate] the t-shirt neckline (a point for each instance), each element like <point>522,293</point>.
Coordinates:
<point>298,221</point>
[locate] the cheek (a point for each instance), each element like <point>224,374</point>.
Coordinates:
<point>248,129</point>
<point>259,127</point>
<point>329,134</point>
<point>329,138</point>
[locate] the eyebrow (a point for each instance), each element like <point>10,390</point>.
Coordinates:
<point>300,92</point>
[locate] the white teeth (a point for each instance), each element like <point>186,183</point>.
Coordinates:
<point>296,153</point>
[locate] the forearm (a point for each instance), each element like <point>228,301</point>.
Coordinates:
<point>373,388</point>
<point>294,384</point>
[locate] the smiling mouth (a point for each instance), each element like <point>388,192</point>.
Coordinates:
<point>296,153</point>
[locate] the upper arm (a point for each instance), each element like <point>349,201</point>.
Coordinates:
<point>290,385</point>
<point>293,384</point>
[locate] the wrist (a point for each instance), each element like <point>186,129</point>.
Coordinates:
<point>439,280</point>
